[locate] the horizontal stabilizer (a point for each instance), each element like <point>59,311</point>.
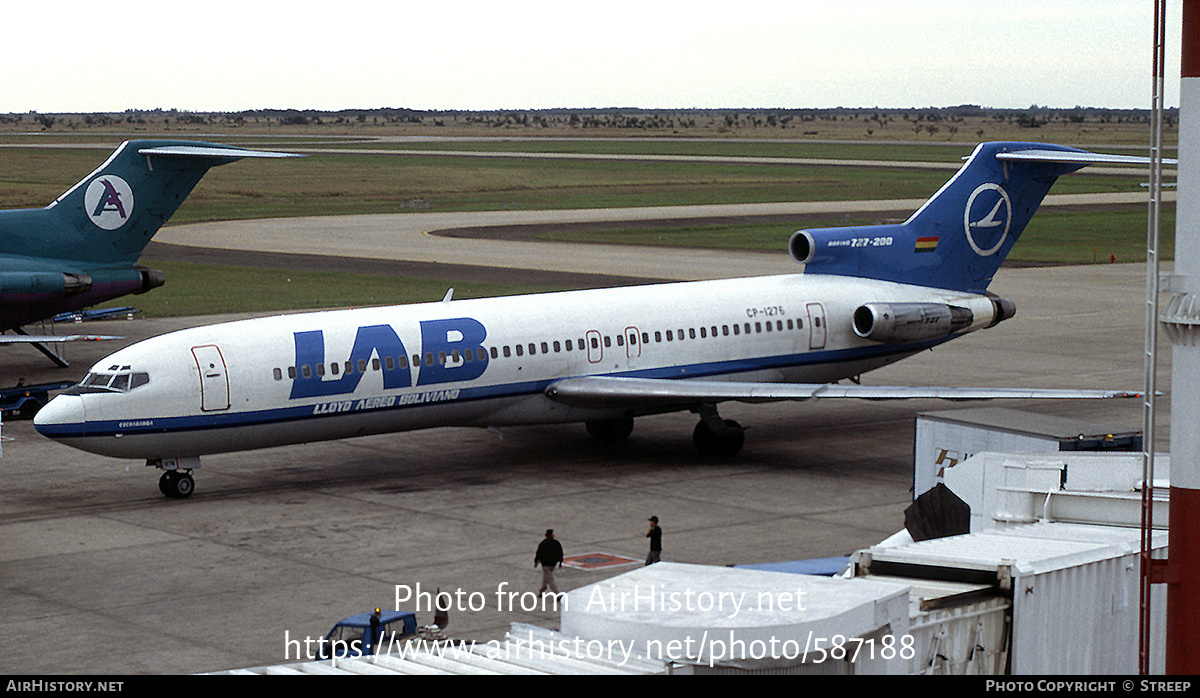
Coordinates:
<point>1078,157</point>
<point>214,152</point>
<point>613,392</point>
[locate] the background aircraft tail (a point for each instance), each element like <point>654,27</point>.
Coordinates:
<point>110,216</point>
<point>960,236</point>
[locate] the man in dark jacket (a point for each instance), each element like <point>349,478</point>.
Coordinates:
<point>655,536</point>
<point>549,555</point>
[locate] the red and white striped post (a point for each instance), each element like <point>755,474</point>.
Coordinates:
<point>1182,571</point>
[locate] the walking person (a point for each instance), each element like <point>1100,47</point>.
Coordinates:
<point>549,555</point>
<point>655,536</point>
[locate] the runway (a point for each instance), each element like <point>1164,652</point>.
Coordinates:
<point>412,237</point>
<point>101,574</point>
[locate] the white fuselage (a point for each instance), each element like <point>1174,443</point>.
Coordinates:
<point>487,362</point>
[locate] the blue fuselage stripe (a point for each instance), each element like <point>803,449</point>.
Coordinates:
<point>449,393</point>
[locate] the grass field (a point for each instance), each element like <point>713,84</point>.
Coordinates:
<point>324,184</point>
<point>383,180</point>
<point>1061,237</point>
<point>210,289</point>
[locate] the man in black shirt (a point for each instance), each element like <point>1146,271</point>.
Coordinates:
<point>549,555</point>
<point>655,536</point>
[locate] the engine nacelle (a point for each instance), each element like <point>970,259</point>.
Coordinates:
<point>846,248</point>
<point>151,278</point>
<point>909,322</point>
<point>801,246</point>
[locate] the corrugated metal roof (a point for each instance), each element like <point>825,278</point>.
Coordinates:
<point>526,649</point>
<point>1028,549</point>
<point>1014,421</point>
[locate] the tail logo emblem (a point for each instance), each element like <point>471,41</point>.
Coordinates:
<point>108,202</point>
<point>987,217</point>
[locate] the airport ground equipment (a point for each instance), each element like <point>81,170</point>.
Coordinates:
<point>353,637</point>
<point>24,401</point>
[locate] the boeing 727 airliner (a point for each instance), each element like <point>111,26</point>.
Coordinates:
<point>868,296</point>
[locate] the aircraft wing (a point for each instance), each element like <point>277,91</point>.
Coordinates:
<point>53,338</point>
<point>604,391</point>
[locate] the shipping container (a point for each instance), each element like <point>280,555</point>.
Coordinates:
<point>946,438</point>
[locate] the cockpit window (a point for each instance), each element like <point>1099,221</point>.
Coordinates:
<point>115,379</point>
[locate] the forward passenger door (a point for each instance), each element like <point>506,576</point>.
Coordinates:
<point>214,378</point>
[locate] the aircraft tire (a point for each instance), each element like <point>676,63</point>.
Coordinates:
<point>611,430</point>
<point>726,444</point>
<point>177,485</point>
<point>185,485</point>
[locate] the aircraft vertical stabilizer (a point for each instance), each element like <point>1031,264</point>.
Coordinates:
<point>110,215</point>
<point>82,248</point>
<point>960,236</point>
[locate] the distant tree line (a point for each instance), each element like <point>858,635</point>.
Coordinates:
<point>931,120</point>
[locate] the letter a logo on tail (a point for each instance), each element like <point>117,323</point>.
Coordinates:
<point>108,202</point>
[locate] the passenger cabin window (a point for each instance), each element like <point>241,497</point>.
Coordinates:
<point>629,338</point>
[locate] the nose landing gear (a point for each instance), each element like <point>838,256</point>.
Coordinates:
<point>176,481</point>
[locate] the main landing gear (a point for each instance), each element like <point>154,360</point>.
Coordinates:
<point>713,436</point>
<point>176,481</point>
<point>611,430</point>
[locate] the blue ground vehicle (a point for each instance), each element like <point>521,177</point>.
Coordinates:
<point>23,401</point>
<point>352,637</point>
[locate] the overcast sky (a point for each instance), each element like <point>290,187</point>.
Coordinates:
<point>220,55</point>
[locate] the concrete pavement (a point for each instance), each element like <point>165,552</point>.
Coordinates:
<point>101,574</point>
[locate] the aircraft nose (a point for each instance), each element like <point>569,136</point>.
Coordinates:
<point>59,414</point>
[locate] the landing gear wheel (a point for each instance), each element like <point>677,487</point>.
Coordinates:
<point>611,430</point>
<point>726,443</point>
<point>177,485</point>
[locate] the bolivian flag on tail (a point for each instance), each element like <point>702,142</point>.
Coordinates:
<point>927,243</point>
